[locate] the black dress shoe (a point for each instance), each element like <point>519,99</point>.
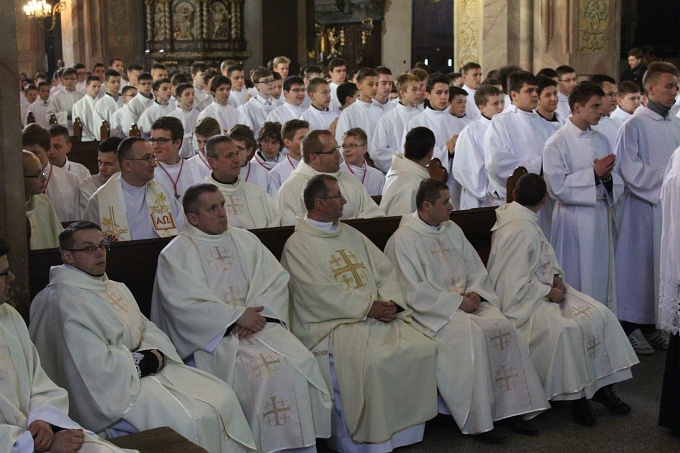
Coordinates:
<point>608,397</point>
<point>582,413</point>
<point>520,426</point>
<point>489,437</point>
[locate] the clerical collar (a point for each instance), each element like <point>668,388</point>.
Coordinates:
<point>115,98</point>
<point>326,226</point>
<point>233,183</point>
<point>486,117</point>
<point>404,105</point>
<point>268,159</point>
<point>657,108</point>
<point>456,116</point>
<point>162,105</point>
<point>317,108</point>
<point>431,227</point>
<point>98,277</point>
<point>553,120</point>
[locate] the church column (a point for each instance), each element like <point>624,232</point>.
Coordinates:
<point>252,31</point>
<point>12,205</point>
<point>396,36</point>
<point>526,31</point>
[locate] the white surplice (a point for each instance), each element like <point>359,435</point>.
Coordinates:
<point>62,189</point>
<point>84,327</point>
<point>107,106</point>
<point>276,378</point>
<point>266,162</point>
<point>177,178</point>
<point>620,115</point>
<point>577,346</point>
<point>401,185</point>
<point>200,164</point>
<point>372,178</point>
<point>319,119</point>
<point>149,116</point>
<point>435,266</point>
<point>388,135</point>
<point>385,372</point>
<point>471,109</point>
<point>134,109</point>
<point>236,98</point>
<point>90,119</point>
<point>248,206</point>
<point>583,225</point>
<point>226,115</point>
<point>444,126</point>
<point>27,394</point>
<point>290,201</point>
<point>254,112</point>
<point>39,110</point>
<point>189,120</point>
<point>468,165</point>
<point>286,112</point>
<point>360,114</point>
<point>563,108</point>
<point>255,174</point>
<point>609,128</point>
<point>43,223</point>
<point>61,105</point>
<point>279,174</point>
<point>80,170</point>
<point>386,106</point>
<point>643,149</point>
<point>669,284</point>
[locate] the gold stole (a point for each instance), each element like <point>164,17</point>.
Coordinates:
<point>128,313</point>
<point>511,389</point>
<point>113,217</point>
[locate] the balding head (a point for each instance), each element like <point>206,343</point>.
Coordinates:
<point>34,180</point>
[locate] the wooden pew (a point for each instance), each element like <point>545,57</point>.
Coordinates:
<point>158,440</point>
<point>512,182</point>
<point>134,262</point>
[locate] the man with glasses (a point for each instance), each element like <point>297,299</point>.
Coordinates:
<point>354,149</point>
<point>61,104</point>
<point>348,308</point>
<point>294,94</point>
<point>566,81</point>
<point>43,221</point>
<point>131,204</point>
<point>122,373</point>
<point>321,155</point>
<point>254,112</point>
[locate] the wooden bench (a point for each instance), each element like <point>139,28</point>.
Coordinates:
<point>134,262</point>
<point>157,440</point>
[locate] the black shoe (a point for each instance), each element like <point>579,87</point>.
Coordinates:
<point>611,400</point>
<point>489,437</point>
<point>582,413</point>
<point>520,426</point>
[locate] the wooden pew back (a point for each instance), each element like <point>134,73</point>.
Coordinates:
<point>134,262</point>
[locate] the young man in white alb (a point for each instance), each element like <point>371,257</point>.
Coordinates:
<point>627,100</point>
<point>294,94</point>
<point>354,148</point>
<point>61,104</point>
<point>205,129</point>
<point>220,109</point>
<point>188,115</point>
<point>39,107</point>
<point>382,96</point>
<point>112,100</point>
<point>162,91</point>
<point>85,110</point>
<point>292,134</point>
<point>319,115</point>
<point>144,99</point>
<point>362,113</point>
<point>254,112</point>
<point>472,78</point>
<point>60,146</point>
<point>238,90</point>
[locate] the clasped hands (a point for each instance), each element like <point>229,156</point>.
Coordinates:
<point>557,291</point>
<point>251,321</point>
<point>44,439</point>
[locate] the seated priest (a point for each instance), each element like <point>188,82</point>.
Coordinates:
<point>321,155</point>
<point>222,298</point>
<point>576,343</point>
<point>484,371</point>
<point>348,308</point>
<point>122,373</point>
<point>33,410</point>
<point>43,224</point>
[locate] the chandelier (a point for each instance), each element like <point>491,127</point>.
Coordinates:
<point>40,9</point>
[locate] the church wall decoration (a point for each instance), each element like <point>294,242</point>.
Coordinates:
<point>183,32</point>
<point>468,25</point>
<point>593,26</point>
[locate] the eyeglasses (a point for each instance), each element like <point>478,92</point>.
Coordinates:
<point>268,81</point>
<point>147,157</point>
<point>241,148</point>
<point>338,196</point>
<point>352,145</point>
<point>161,141</point>
<point>37,175</point>
<point>6,273</point>
<point>297,90</point>
<point>330,151</point>
<point>92,248</point>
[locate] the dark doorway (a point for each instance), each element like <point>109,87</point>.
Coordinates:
<point>432,35</point>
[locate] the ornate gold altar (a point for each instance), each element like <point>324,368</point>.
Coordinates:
<point>183,32</point>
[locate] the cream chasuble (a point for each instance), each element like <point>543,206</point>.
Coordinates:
<point>27,394</point>
<point>276,378</point>
<point>483,373</point>
<point>44,223</point>
<point>577,346</point>
<point>85,327</point>
<point>401,185</point>
<point>385,371</point>
<point>248,206</point>
<point>290,202</point>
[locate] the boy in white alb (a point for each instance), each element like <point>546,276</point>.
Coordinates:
<point>269,152</point>
<point>337,69</point>
<point>40,105</point>
<point>607,126</point>
<point>112,100</point>
<point>107,162</point>
<point>319,115</point>
<point>61,104</point>
<point>292,108</point>
<point>200,93</point>
<point>29,97</point>
<point>162,90</point>
<point>627,100</point>
<point>292,133</point>
<point>85,110</point>
<point>129,92</point>
<point>238,90</point>
<point>354,148</point>
<point>254,112</point>
<point>205,129</point>
<point>245,143</point>
<point>188,115</point>
<point>566,81</point>
<point>472,78</point>
<point>362,113</point>
<point>60,146</point>
<point>220,109</point>
<point>144,99</point>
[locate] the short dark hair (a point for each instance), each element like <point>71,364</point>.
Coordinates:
<point>313,69</point>
<point>135,67</point>
<point>627,87</point>
<point>291,127</point>
<point>57,129</point>
<point>127,88</point>
<point>270,130</point>
<point>98,65</point>
<point>191,202</point>
<point>181,88</point>
<point>530,190</point>
<point>456,91</point>
<point>357,133</point>
<point>429,190</point>
<point>69,72</point>
<point>114,59</point>
<point>243,133</point>
<point>211,146</point>
<point>470,65</point>
<point>311,144</point>
<point>490,81</point>
<point>125,148</point>
<point>582,93</point>
<point>35,134</point>
<point>316,188</point>
<point>436,78</point>
<point>503,74</point>
<point>484,92</point>
<point>315,83</point>
<point>346,89</point>
<point>5,248</point>
<point>635,52</point>
<point>171,124</point>
<point>109,145</point>
<point>234,67</point>
<point>564,69</point>
<point>179,78</point>
<point>66,237</point>
<point>600,79</point>
<point>655,69</point>
<point>218,81</point>
<point>545,82</point>
<point>207,127</point>
<point>365,72</point>
<point>110,73</point>
<point>292,80</point>
<point>335,63</point>
<point>517,79</point>
<point>260,73</point>
<point>157,84</point>
<point>418,142</point>
<point>144,76</point>
<point>383,70</point>
<point>548,72</point>
<point>198,67</point>
<point>159,66</point>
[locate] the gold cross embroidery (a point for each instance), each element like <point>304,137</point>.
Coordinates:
<point>233,297</point>
<point>348,262</point>
<point>117,301</point>
<point>235,206</point>
<point>220,259</point>
<point>580,311</point>
<point>592,346</point>
<point>111,227</point>
<point>271,366</point>
<point>505,377</point>
<point>501,339</point>
<point>275,411</point>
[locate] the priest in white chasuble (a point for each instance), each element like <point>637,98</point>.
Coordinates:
<point>29,401</point>
<point>348,308</point>
<point>247,205</point>
<point>222,298</point>
<point>321,155</point>
<point>122,372</point>
<point>576,343</point>
<point>484,374</point>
